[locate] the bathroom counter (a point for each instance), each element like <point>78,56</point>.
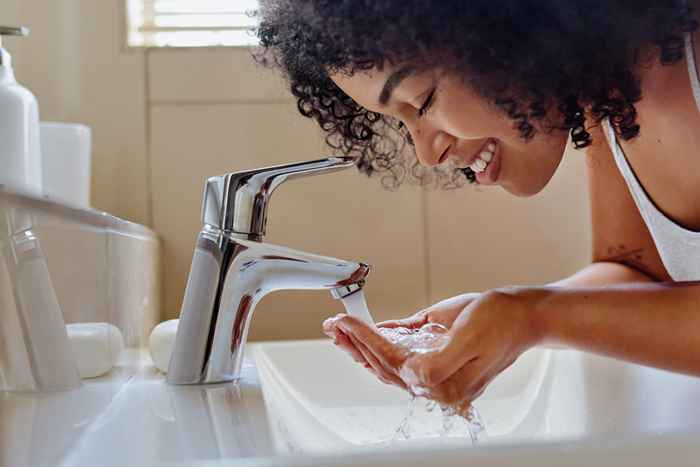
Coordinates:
<point>133,417</point>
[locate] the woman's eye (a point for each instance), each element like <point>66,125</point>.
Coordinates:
<point>406,134</point>
<point>428,102</point>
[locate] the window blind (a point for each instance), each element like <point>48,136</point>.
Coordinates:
<point>191,23</point>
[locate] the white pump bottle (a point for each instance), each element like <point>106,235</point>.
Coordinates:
<point>20,152</point>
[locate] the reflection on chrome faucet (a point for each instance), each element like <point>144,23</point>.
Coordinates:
<point>232,269</point>
<point>214,422</point>
<point>35,354</point>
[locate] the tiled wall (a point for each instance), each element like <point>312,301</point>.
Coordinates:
<point>76,64</point>
<point>164,120</point>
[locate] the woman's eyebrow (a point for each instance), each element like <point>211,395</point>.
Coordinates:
<point>392,82</point>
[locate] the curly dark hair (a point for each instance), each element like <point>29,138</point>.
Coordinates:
<point>579,57</point>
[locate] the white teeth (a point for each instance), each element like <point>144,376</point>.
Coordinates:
<point>481,162</point>
<point>478,165</point>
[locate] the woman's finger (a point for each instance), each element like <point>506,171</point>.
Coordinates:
<point>329,325</point>
<point>390,355</point>
<point>462,386</point>
<point>341,340</point>
<point>443,312</point>
<point>415,321</point>
<point>380,370</point>
<point>432,368</point>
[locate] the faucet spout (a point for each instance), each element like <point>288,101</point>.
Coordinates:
<point>228,278</point>
<point>232,269</point>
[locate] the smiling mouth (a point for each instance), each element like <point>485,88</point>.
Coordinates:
<point>476,164</point>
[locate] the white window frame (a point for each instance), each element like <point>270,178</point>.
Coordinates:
<point>189,23</point>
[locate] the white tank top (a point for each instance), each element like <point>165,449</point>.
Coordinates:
<point>678,247</point>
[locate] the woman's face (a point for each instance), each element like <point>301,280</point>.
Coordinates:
<point>446,119</point>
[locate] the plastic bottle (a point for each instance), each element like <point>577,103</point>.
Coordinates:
<point>20,156</point>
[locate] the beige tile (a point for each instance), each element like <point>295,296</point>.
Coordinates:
<point>483,237</point>
<point>210,75</point>
<point>342,215</point>
<point>74,62</point>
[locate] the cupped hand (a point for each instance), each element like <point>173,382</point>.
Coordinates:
<point>486,337</point>
<point>443,312</point>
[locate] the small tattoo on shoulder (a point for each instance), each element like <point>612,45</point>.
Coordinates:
<point>634,258</point>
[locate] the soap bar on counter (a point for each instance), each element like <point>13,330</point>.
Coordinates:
<point>161,343</point>
<point>96,347</point>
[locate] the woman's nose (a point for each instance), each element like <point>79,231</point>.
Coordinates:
<point>431,146</point>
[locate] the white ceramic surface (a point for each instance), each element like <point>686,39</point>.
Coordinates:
<point>334,405</point>
<point>61,265</point>
<point>66,162</point>
<point>323,402</point>
<point>304,403</point>
<point>144,421</point>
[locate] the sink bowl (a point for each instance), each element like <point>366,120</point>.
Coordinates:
<point>323,402</point>
<point>335,405</point>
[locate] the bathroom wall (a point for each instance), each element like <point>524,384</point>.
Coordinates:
<point>164,120</point>
<point>76,64</point>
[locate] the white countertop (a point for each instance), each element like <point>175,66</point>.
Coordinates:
<point>132,417</point>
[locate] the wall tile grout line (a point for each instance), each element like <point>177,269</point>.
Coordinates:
<point>426,246</point>
<point>219,102</point>
<point>148,135</point>
<point>150,217</point>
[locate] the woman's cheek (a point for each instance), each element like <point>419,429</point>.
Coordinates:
<point>463,123</point>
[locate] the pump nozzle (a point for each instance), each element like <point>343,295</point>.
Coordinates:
<point>11,31</point>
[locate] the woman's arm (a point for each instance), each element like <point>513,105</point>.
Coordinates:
<point>651,323</point>
<point>656,324</point>
<point>603,273</point>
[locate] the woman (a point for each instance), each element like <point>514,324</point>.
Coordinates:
<point>490,91</point>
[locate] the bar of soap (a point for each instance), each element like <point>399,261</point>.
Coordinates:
<point>96,347</point>
<point>161,343</point>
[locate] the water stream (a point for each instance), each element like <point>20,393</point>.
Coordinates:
<point>455,423</point>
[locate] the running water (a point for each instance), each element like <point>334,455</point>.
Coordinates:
<point>356,306</point>
<point>456,422</point>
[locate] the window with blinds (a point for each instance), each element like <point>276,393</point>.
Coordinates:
<point>191,23</point>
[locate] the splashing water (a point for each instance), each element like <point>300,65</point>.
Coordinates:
<point>455,421</point>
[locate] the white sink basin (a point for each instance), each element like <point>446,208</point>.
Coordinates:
<point>334,404</point>
<point>323,402</point>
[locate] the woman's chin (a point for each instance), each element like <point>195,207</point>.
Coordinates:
<point>522,191</point>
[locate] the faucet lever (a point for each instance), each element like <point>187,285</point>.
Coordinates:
<point>237,202</point>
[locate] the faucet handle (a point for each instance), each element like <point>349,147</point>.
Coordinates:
<point>237,202</point>
<point>14,31</point>
<point>11,31</point>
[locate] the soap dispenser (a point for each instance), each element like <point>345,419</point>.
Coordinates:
<point>20,156</point>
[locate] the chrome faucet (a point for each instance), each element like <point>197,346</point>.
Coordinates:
<point>232,269</point>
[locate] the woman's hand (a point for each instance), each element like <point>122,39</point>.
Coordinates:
<point>443,312</point>
<point>486,337</point>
